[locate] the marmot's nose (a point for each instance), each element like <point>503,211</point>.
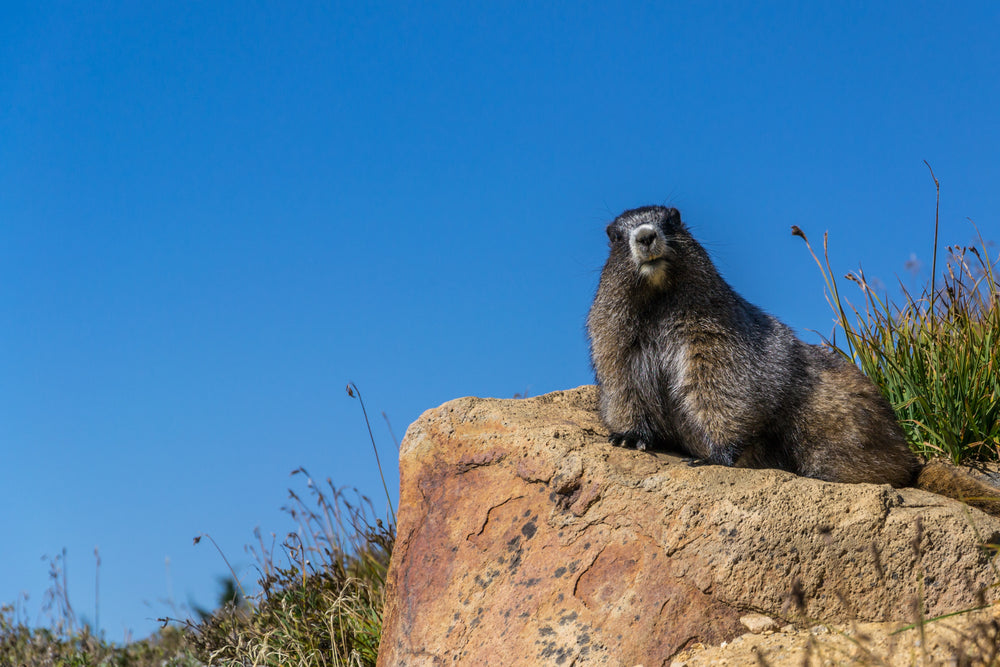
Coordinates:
<point>645,237</point>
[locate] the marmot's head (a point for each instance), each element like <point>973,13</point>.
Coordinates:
<point>647,237</point>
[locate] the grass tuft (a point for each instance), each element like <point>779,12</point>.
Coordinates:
<point>322,590</point>
<point>935,355</point>
<point>21,644</point>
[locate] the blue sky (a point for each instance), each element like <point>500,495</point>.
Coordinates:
<point>214,215</point>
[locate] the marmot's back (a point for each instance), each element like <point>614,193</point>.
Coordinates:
<point>683,361</point>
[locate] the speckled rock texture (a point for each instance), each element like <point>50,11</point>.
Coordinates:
<point>971,639</point>
<point>525,538</point>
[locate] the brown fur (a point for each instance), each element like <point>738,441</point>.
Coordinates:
<point>956,482</point>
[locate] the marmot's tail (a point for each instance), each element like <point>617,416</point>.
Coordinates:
<point>953,482</point>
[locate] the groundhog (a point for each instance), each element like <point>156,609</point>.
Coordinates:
<point>684,362</point>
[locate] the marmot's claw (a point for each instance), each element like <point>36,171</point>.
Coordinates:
<point>695,463</point>
<point>627,440</point>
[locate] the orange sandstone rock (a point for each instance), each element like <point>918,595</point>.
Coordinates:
<point>524,538</point>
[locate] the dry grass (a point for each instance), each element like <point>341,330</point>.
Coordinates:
<point>321,591</point>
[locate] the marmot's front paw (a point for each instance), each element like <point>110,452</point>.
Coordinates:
<point>629,439</point>
<point>718,457</point>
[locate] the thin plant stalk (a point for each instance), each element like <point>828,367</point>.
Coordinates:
<point>352,389</point>
<point>937,211</point>
<point>231,570</point>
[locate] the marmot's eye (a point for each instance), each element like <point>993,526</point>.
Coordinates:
<point>614,234</point>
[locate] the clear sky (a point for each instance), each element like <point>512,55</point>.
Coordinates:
<point>214,215</point>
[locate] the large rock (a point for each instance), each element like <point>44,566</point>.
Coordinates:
<point>524,538</point>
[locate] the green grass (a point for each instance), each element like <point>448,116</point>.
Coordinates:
<point>67,642</point>
<point>935,355</point>
<point>78,647</point>
<point>322,590</point>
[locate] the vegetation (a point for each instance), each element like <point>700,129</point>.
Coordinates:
<point>79,647</point>
<point>319,603</point>
<point>321,591</point>
<point>935,356</point>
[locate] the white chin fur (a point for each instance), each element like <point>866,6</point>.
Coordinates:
<point>654,272</point>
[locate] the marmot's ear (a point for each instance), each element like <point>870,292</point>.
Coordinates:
<point>674,218</point>
<point>615,234</point>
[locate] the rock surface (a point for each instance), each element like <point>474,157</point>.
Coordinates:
<point>524,538</point>
<point>967,639</point>
<point>758,623</point>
